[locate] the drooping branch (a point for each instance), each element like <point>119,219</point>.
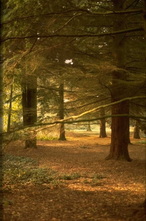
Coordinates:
<point>104,106</point>
<point>74,35</point>
<point>52,124</point>
<point>72,119</point>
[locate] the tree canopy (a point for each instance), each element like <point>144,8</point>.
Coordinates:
<point>95,48</point>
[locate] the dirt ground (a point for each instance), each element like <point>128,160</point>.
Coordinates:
<point>117,196</point>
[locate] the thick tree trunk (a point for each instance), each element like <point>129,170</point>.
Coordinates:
<point>61,111</point>
<point>136,130</point>
<point>29,101</point>
<point>120,125</point>
<point>120,133</point>
<point>102,124</point>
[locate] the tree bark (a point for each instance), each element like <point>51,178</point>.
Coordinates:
<point>1,137</point>
<point>61,111</point>
<point>119,125</point>
<point>29,103</point>
<point>144,203</point>
<point>102,124</point>
<point>120,133</point>
<point>136,130</point>
<point>10,108</point>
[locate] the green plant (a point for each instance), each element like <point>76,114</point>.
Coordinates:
<point>25,170</point>
<point>71,176</point>
<point>142,141</point>
<point>45,138</point>
<point>96,179</point>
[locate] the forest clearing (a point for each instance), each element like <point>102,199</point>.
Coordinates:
<point>73,110</point>
<point>80,185</point>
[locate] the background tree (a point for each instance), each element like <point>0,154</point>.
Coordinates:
<point>102,124</point>
<point>61,111</point>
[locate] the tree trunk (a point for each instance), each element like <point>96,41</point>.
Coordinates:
<point>144,203</point>
<point>136,130</point>
<point>89,126</point>
<point>1,138</point>
<point>102,124</point>
<point>61,111</point>
<point>120,125</point>
<point>29,102</point>
<point>120,133</point>
<point>10,108</point>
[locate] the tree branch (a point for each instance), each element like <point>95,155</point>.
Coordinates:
<point>77,10</point>
<point>74,35</point>
<point>72,119</point>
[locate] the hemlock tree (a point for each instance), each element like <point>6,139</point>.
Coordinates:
<point>29,103</point>
<point>119,125</point>
<point>90,28</point>
<point>61,111</point>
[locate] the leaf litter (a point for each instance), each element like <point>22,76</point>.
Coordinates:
<point>62,181</point>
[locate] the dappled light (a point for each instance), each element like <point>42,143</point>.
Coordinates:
<point>79,182</point>
<point>73,110</point>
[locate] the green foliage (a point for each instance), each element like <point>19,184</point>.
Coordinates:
<point>71,176</point>
<point>45,138</point>
<point>141,142</point>
<point>90,73</point>
<point>94,179</point>
<point>97,176</point>
<point>7,202</point>
<point>25,170</point>
<point>21,170</point>
<point>14,136</point>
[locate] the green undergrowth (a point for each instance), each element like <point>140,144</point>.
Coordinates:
<point>24,170</point>
<point>45,138</point>
<point>22,136</point>
<point>142,142</point>
<point>71,176</point>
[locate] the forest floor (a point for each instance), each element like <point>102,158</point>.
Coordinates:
<point>84,186</point>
